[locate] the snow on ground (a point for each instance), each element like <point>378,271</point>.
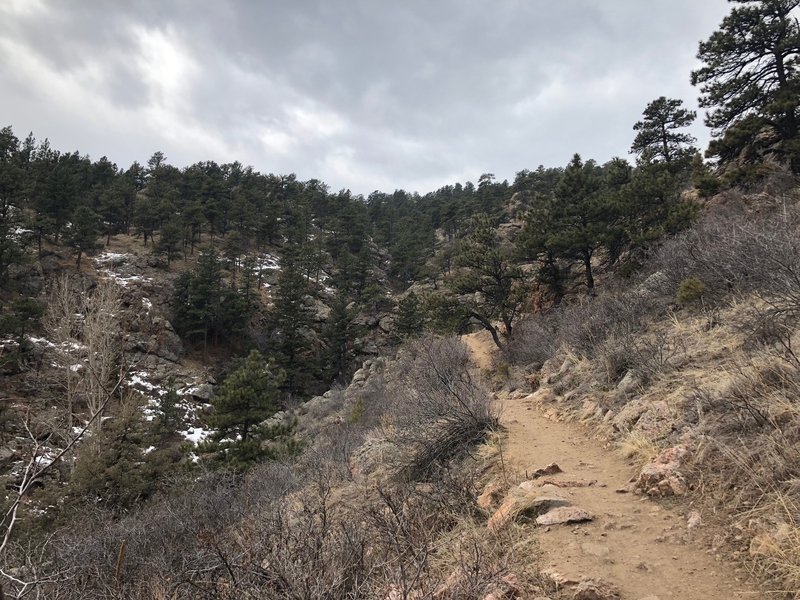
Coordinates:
<point>108,260</point>
<point>140,378</point>
<point>148,305</point>
<point>267,262</point>
<point>142,382</point>
<point>196,434</point>
<point>112,257</point>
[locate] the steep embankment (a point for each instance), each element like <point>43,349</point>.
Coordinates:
<point>644,547</point>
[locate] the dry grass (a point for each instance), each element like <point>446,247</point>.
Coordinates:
<point>638,447</point>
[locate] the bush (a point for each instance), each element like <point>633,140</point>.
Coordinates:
<point>533,342</point>
<point>439,410</point>
<point>690,291</point>
<point>586,327</point>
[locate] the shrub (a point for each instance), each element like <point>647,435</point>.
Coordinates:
<point>690,290</point>
<point>533,342</point>
<point>439,410</point>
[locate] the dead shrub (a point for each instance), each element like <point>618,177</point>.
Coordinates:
<point>439,410</point>
<point>533,342</point>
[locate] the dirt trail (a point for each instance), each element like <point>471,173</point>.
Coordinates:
<point>644,548</point>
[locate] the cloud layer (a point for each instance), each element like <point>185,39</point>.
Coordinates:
<point>363,94</point>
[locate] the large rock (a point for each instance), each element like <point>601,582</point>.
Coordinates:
<point>489,495</point>
<point>203,392</point>
<point>663,477</point>
<point>525,500</point>
<point>563,515</point>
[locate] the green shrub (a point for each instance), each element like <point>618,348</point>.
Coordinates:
<point>690,290</point>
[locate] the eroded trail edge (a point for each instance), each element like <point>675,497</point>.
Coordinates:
<point>646,548</point>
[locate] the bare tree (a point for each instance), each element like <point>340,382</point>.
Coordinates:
<point>86,333</point>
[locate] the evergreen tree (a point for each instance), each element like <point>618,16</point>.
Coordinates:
<point>659,137</point>
<point>169,243</point>
<point>489,281</point>
<point>203,307</point>
<point>24,315</point>
<point>338,335</point>
<point>246,398</point>
<point>12,243</point>
<point>83,232</point>
<point>581,217</point>
<point>291,319</point>
<point>750,78</point>
<point>410,317</point>
<point>170,415</point>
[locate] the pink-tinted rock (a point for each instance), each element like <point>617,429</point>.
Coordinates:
<point>662,477</point>
<point>564,514</point>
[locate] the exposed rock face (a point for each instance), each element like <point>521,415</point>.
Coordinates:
<point>663,477</point>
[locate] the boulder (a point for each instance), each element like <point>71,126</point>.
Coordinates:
<point>203,392</point>
<point>489,495</point>
<point>386,324</point>
<point>628,384</point>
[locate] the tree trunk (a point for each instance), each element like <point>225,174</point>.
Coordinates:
<point>587,263</point>
<point>487,325</point>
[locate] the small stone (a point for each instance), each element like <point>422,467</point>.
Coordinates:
<point>568,483</point>
<point>590,589</point>
<point>550,469</point>
<point>597,550</point>
<point>557,578</point>
<point>694,520</point>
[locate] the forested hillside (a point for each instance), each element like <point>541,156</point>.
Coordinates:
<point>217,382</point>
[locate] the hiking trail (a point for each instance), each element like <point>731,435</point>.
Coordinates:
<point>644,547</point>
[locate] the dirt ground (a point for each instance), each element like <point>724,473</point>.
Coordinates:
<point>644,547</point>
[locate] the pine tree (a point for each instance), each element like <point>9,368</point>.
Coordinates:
<point>83,232</point>
<point>246,398</point>
<point>169,242</point>
<point>292,318</point>
<point>489,281</point>
<point>659,137</point>
<point>750,77</point>
<point>338,335</point>
<point>410,317</point>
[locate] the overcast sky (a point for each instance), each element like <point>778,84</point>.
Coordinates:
<point>363,94</point>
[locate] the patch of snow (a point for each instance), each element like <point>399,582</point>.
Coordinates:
<point>140,378</point>
<point>196,434</point>
<point>107,257</point>
<point>148,450</point>
<point>43,341</point>
<point>148,306</point>
<point>267,262</point>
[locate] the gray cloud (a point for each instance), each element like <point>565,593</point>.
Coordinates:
<point>363,94</point>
